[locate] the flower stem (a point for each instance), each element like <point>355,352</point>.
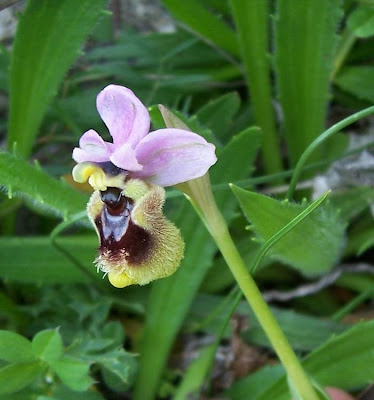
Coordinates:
<point>206,206</point>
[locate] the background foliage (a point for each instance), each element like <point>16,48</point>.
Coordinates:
<point>261,80</point>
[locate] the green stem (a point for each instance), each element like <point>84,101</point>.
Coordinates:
<point>203,200</point>
<point>254,297</point>
<point>319,140</point>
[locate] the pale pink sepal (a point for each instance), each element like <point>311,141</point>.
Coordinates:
<point>172,156</point>
<point>92,148</point>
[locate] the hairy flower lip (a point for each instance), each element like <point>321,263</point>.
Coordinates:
<point>137,243</point>
<point>156,157</point>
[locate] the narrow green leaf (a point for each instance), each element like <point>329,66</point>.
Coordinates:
<point>31,260</point>
<point>305,38</point>
<point>252,24</point>
<point>14,347</point>
<point>323,229</point>
<point>73,373</point>
<point>322,138</point>
<point>170,298</point>
<point>209,26</point>
<point>195,375</point>
<point>47,345</point>
<point>47,41</point>
<point>44,191</point>
<point>15,377</point>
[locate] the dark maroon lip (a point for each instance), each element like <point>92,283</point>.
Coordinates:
<point>120,237</point>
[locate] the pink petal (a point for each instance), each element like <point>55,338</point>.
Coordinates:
<point>91,137</point>
<point>124,157</point>
<point>92,148</point>
<point>172,156</point>
<point>124,114</point>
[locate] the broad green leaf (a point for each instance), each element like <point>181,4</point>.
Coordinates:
<point>218,115</point>
<point>252,24</point>
<point>345,361</point>
<point>205,23</point>
<point>47,345</point>
<point>34,259</point>
<point>361,21</point>
<point>313,246</point>
<point>354,80</point>
<point>16,376</point>
<point>73,373</point>
<point>48,38</point>
<point>47,193</point>
<point>14,347</point>
<point>305,39</point>
<point>170,298</point>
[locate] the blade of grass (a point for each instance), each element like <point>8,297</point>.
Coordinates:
<point>305,37</point>
<point>48,38</point>
<point>321,139</point>
<point>251,20</point>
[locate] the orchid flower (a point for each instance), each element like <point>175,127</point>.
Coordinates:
<point>137,243</point>
<point>164,157</point>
